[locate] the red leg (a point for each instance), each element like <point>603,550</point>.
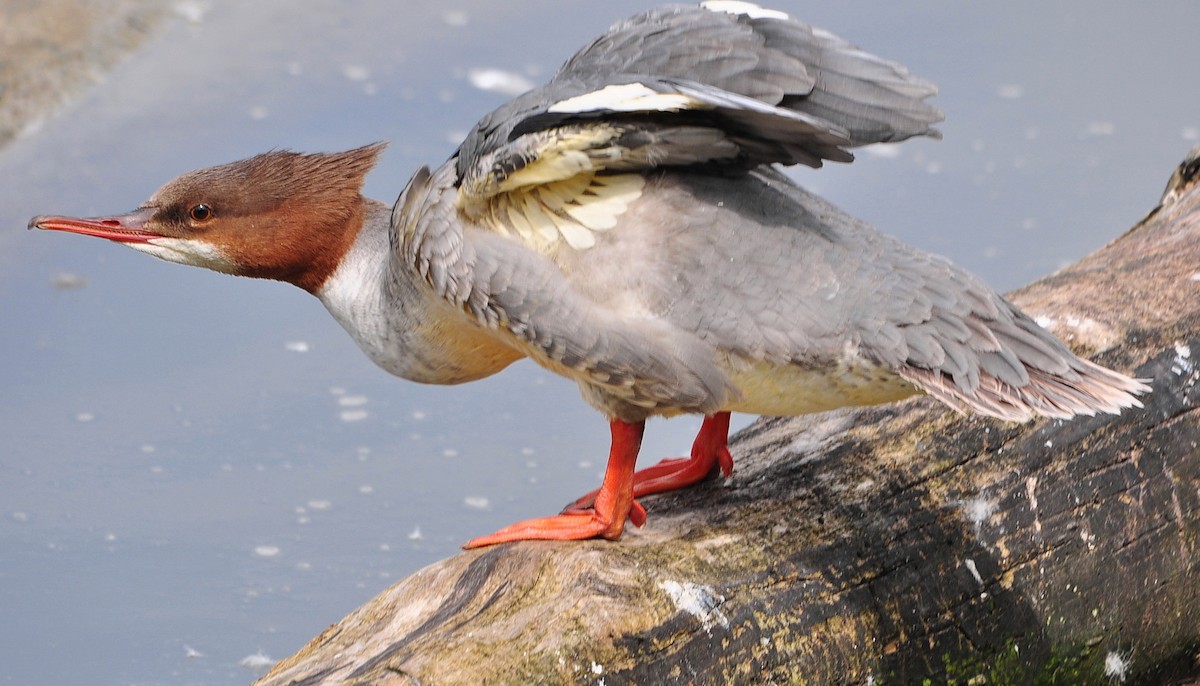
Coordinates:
<point>709,451</point>
<point>613,502</point>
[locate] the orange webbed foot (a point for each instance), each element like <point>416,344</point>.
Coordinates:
<point>613,505</point>
<point>575,526</point>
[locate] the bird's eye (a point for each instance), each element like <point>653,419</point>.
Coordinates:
<point>200,213</point>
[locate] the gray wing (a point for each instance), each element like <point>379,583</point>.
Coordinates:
<point>767,271</point>
<point>634,367</point>
<point>770,89</point>
<point>554,179</point>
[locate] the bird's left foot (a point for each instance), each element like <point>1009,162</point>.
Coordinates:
<point>710,452</point>
<point>574,526</point>
<point>613,503</point>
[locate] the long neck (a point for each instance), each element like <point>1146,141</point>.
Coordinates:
<point>363,295</point>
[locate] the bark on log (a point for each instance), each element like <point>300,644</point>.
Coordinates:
<point>888,545</point>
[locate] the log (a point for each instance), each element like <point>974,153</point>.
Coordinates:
<point>897,544</point>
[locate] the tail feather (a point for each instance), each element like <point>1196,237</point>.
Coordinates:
<point>1085,389</point>
<point>999,362</point>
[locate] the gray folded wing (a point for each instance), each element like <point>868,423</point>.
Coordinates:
<point>776,273</point>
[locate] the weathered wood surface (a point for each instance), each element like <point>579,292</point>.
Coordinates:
<point>883,545</point>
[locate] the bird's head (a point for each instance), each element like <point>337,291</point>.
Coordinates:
<point>279,215</point>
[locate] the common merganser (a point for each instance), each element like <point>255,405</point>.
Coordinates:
<point>625,226</point>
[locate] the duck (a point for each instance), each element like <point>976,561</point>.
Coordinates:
<point>628,226</point>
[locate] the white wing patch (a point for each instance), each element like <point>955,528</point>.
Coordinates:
<point>628,97</point>
<point>739,7</point>
<point>570,210</point>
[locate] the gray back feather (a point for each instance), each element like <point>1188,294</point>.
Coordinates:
<point>766,271</point>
